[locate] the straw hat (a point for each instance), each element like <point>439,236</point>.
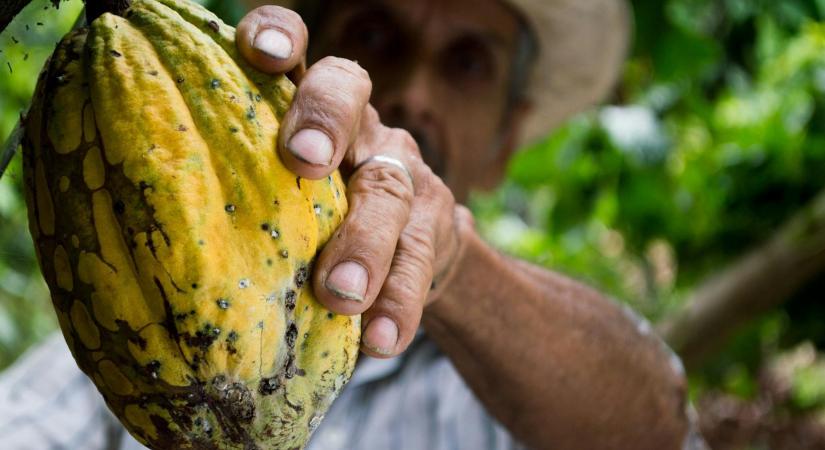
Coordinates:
<point>582,44</point>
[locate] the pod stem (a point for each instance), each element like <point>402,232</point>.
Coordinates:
<point>95,8</point>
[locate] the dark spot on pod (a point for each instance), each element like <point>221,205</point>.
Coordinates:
<point>251,113</point>
<point>298,182</point>
<point>222,303</point>
<point>237,402</point>
<point>194,285</point>
<point>203,338</point>
<point>180,80</point>
<point>268,386</point>
<point>182,127</point>
<point>233,129</point>
<point>229,208</point>
<point>119,207</point>
<point>214,26</point>
<point>143,185</point>
<point>289,300</point>
<point>25,55</point>
<point>284,254</point>
<point>10,69</point>
<point>180,316</point>
<point>330,315</point>
<point>269,262</point>
<point>265,226</point>
<point>291,335</point>
<point>205,425</point>
<point>216,83</point>
<point>290,367</point>
<point>276,202</point>
<point>152,368</point>
<point>258,97</point>
<point>14,39</point>
<point>201,242</point>
<point>39,24</point>
<point>115,53</point>
<point>154,73</point>
<point>329,213</point>
<point>301,276</point>
<point>232,336</point>
<point>324,354</point>
<point>300,372</point>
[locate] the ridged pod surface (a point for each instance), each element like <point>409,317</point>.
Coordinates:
<point>176,245</point>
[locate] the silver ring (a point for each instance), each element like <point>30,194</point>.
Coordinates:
<point>388,160</point>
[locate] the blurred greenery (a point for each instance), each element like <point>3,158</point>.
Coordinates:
<point>715,136</point>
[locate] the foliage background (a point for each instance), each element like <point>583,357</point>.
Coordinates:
<point>715,136</point>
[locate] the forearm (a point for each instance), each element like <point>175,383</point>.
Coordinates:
<point>554,361</point>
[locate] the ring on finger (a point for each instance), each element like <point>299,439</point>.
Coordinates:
<point>384,159</point>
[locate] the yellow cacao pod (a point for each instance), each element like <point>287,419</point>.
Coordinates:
<point>176,245</point>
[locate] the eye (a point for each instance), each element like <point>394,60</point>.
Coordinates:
<point>469,60</point>
<point>370,35</point>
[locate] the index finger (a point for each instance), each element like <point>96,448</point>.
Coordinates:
<point>272,39</point>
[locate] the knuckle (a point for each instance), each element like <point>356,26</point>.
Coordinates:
<point>416,245</point>
<point>382,180</point>
<point>434,189</point>
<point>401,138</point>
<point>338,67</point>
<point>270,16</point>
<point>409,282</point>
<point>324,108</point>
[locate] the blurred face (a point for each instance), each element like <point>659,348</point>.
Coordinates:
<point>440,69</point>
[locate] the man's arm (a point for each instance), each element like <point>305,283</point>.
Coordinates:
<point>553,360</point>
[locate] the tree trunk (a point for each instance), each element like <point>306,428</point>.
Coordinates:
<point>756,283</point>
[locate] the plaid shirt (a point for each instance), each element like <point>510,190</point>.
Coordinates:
<point>416,401</point>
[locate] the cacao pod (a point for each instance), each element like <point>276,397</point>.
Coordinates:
<point>176,245</point>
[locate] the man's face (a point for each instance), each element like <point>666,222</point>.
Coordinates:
<point>440,69</point>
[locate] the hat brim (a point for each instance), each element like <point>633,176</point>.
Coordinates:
<point>582,46</point>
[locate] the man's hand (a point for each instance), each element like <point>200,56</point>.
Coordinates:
<point>401,231</point>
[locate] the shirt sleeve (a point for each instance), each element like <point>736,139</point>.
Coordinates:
<point>47,403</point>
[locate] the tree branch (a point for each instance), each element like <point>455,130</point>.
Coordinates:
<point>761,280</point>
<point>9,9</point>
<point>94,8</point>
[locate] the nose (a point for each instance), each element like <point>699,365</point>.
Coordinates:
<point>407,100</point>
<point>409,103</point>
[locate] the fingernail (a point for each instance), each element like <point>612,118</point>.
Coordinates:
<point>348,280</point>
<point>273,43</point>
<point>311,146</point>
<point>381,335</point>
